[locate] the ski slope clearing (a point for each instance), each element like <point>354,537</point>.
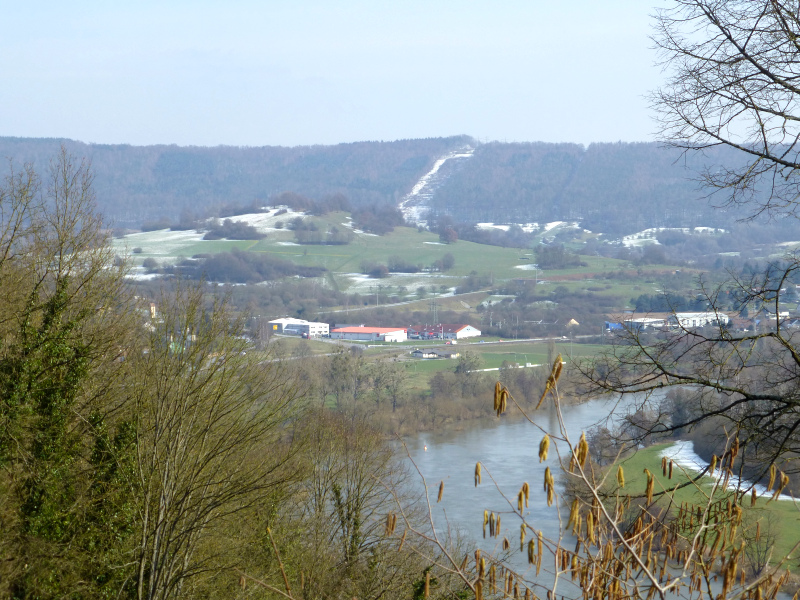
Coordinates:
<point>416,202</point>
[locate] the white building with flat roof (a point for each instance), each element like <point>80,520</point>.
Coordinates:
<point>290,326</point>
<point>688,320</point>
<point>643,323</point>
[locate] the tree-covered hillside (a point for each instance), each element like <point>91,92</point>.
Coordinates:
<point>139,183</point>
<point>615,188</point>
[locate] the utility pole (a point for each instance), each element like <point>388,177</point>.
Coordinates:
<point>433,309</point>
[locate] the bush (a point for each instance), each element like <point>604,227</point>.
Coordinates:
<point>448,262</point>
<point>379,220</point>
<point>245,267</point>
<point>399,265</point>
<point>448,235</point>
<point>379,272</point>
<point>556,257</point>
<point>233,230</point>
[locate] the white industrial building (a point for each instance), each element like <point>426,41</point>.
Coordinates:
<point>289,326</point>
<point>683,320</point>
<point>689,320</point>
<point>642,323</point>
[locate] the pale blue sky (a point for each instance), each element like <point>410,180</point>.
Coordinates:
<point>312,72</point>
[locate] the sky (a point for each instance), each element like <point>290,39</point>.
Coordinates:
<point>302,72</point>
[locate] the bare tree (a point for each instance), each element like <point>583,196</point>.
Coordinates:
<point>389,382</point>
<point>747,382</point>
<point>209,424</point>
<point>338,534</point>
<point>733,81</point>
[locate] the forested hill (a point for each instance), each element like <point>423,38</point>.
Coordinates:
<point>139,183</point>
<point>613,188</point>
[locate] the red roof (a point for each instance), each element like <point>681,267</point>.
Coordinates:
<point>367,330</point>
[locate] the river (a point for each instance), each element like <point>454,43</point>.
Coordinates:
<point>508,450</point>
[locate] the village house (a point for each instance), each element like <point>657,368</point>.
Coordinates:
<point>690,320</point>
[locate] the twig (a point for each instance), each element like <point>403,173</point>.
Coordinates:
<point>280,564</point>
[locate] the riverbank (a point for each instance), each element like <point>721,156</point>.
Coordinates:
<point>768,527</point>
<point>469,401</point>
<point>507,449</point>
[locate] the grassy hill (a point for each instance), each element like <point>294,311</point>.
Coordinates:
<point>345,261</point>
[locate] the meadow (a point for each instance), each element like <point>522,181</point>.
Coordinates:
<point>414,246</point>
<point>778,518</point>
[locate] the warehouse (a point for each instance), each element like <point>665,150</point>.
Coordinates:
<point>289,326</point>
<point>370,334</point>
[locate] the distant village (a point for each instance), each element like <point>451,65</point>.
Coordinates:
<point>448,332</point>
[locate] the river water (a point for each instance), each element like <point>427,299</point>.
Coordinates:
<point>508,451</point>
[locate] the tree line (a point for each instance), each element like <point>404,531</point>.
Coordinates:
<point>148,453</point>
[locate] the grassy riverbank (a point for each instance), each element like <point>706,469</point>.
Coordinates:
<point>780,520</point>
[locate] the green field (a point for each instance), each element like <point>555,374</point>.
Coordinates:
<point>413,246</point>
<point>492,356</point>
<point>784,515</point>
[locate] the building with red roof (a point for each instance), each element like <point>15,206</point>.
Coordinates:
<point>370,334</point>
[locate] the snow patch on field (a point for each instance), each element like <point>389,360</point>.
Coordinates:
<point>492,226</point>
<point>140,274</point>
<point>648,236</point>
<point>265,222</point>
<point>526,227</point>
<point>349,224</point>
<point>682,454</point>
<point>162,242</point>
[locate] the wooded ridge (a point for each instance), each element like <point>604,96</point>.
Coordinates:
<point>615,188</point>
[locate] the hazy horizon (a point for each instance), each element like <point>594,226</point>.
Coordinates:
<point>310,73</point>
<point>480,141</point>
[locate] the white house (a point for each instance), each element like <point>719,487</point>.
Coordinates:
<point>434,353</point>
